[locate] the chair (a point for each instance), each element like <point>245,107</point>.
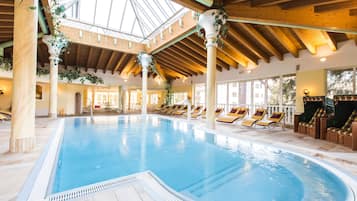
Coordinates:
<point>4,117</point>
<point>235,114</point>
<point>217,112</point>
<point>342,127</point>
<point>315,107</point>
<point>274,119</point>
<point>6,114</point>
<point>198,114</point>
<point>195,110</point>
<point>158,109</point>
<point>257,116</point>
<point>180,111</point>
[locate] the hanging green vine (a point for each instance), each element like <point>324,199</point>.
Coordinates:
<point>220,24</point>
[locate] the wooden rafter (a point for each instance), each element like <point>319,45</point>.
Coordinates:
<point>191,5</point>
<point>237,36</point>
<point>261,39</point>
<point>283,39</point>
<point>303,35</point>
<point>305,17</point>
<point>181,62</point>
<point>186,60</point>
<point>172,66</point>
<point>101,55</point>
<point>90,55</point>
<point>267,2</point>
<point>331,42</point>
<point>78,55</point>
<point>177,64</point>
<point>303,3</point>
<point>228,44</point>
<point>120,62</point>
<point>110,61</point>
<point>335,6</point>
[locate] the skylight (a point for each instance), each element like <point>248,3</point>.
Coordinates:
<point>136,20</point>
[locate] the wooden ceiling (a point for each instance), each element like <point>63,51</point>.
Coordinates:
<point>252,43</point>
<point>6,20</point>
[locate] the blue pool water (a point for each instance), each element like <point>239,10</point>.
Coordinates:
<point>200,165</point>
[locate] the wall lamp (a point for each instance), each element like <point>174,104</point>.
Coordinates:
<point>306,92</point>
<point>1,92</point>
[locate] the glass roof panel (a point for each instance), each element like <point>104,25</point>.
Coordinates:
<point>137,20</point>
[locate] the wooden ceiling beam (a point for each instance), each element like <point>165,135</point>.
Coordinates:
<point>193,5</point>
<point>303,3</point>
<point>335,6</point>
<point>169,69</point>
<point>261,39</point>
<point>131,63</point>
<point>243,54</point>
<point>302,34</point>
<point>90,55</point>
<point>161,72</point>
<point>353,12</point>
<point>110,61</point>
<point>78,50</point>
<point>101,55</point>
<point>267,2</point>
<point>190,57</point>
<point>185,60</point>
<point>238,37</point>
<point>187,65</point>
<point>283,39</point>
<point>338,21</point>
<point>202,52</point>
<point>7,3</point>
<point>331,42</point>
<point>173,66</point>
<point>198,41</point>
<point>120,62</point>
<point>177,64</point>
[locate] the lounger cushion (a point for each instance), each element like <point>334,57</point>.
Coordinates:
<point>227,119</point>
<point>249,122</point>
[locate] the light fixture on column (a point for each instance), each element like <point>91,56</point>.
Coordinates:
<point>2,92</point>
<point>323,59</point>
<point>171,30</point>
<point>306,92</point>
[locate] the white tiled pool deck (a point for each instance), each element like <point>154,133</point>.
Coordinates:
<point>15,167</point>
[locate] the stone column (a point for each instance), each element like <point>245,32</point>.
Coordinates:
<point>54,50</point>
<point>22,137</point>
<point>207,21</point>
<point>145,61</point>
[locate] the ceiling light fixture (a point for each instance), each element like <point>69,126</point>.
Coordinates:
<point>98,38</point>
<point>130,45</point>
<point>80,33</point>
<point>323,59</point>
<point>115,41</point>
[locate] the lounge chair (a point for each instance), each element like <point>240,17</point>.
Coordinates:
<point>180,111</point>
<point>217,113</point>
<point>158,109</point>
<point>274,119</point>
<point>171,109</point>
<point>257,116</point>
<point>4,117</point>
<point>194,111</point>
<point>198,114</point>
<point>235,114</point>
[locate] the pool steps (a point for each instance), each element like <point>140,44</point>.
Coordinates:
<point>146,182</point>
<point>213,181</point>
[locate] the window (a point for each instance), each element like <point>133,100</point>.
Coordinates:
<point>233,91</point>
<point>289,90</point>
<point>106,99</point>
<point>200,94</point>
<point>273,90</point>
<point>154,99</point>
<point>339,82</point>
<point>245,91</point>
<point>221,94</point>
<point>259,92</point>
<point>179,97</point>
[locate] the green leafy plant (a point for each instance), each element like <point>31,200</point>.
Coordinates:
<point>92,79</point>
<point>69,75</point>
<point>42,71</point>
<point>5,64</point>
<point>220,24</point>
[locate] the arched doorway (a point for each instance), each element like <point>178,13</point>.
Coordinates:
<point>78,103</point>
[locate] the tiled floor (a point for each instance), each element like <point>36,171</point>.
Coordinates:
<point>15,167</point>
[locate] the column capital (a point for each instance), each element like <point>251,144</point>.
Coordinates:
<point>212,21</point>
<point>145,60</point>
<point>55,46</point>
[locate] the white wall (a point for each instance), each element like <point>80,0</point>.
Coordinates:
<point>345,56</point>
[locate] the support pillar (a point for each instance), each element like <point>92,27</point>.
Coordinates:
<point>22,137</point>
<point>54,49</point>
<point>207,21</point>
<point>145,61</point>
